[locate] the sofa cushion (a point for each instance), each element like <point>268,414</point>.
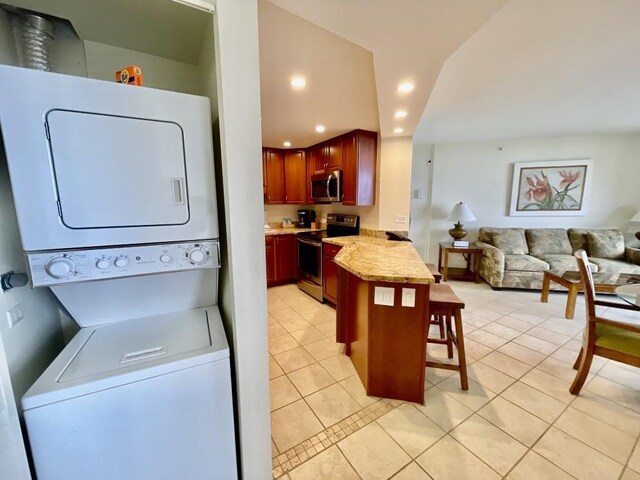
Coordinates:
<point>510,240</point>
<point>524,263</point>
<point>544,241</point>
<point>606,244</point>
<point>578,239</point>
<point>607,265</point>
<point>486,235</point>
<point>559,263</point>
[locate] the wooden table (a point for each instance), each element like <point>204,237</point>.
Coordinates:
<point>603,283</point>
<point>472,256</point>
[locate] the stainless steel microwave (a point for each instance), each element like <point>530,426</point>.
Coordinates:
<point>327,187</point>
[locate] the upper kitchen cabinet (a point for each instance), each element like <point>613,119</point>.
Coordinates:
<point>359,149</point>
<point>285,176</point>
<point>334,160</point>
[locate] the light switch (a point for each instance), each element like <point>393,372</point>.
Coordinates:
<point>409,297</point>
<point>383,296</point>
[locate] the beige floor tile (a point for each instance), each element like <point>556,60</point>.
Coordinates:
<point>548,335</point>
<point>618,373</point>
<point>274,449</point>
<point>597,434</point>
<point>557,368</point>
<point>536,467</point>
<point>353,386</point>
<point>323,349</point>
<point>275,329</point>
<point>514,323</point>
<point>293,424</point>
<point>310,379</point>
<point>502,330</point>
<point>412,430</point>
<point>506,364</point>
<point>274,369</point>
<point>282,392</point>
<point>558,389</point>
<point>328,329</point>
<point>475,350</point>
<point>327,465</point>
<point>281,344</point>
<point>470,318</point>
<point>319,317</point>
<point>531,317</point>
<point>634,461</point>
<point>489,377</point>
<point>373,453</point>
<point>563,325</point>
<point>339,366</point>
<point>609,412</point>
<point>411,472</point>
<point>486,338</point>
<point>332,404</point>
<point>576,458</point>
<point>294,323</point>
<point>436,375</point>
<point>535,343</point>
<point>630,475</point>
<point>307,335</point>
<point>489,443</point>
<point>617,392</point>
<point>541,405</point>
<point>286,314</point>
<point>520,424</point>
<point>474,398</point>
<point>522,353</point>
<point>449,460</point>
<point>487,313</point>
<point>443,409</point>
<point>565,355</point>
<point>294,359</point>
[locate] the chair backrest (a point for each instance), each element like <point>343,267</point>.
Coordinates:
<point>587,280</point>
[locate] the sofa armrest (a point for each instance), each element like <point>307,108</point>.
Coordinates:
<point>632,255</point>
<point>491,264</point>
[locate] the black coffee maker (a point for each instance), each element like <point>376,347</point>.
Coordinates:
<point>304,218</point>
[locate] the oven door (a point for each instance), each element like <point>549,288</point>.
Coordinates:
<point>310,260</point>
<point>326,187</point>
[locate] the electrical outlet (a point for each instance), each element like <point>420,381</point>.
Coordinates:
<point>401,219</point>
<point>15,315</point>
<point>383,296</point>
<point>418,193</point>
<point>409,297</point>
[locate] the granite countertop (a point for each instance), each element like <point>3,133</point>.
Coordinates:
<point>378,260</point>
<point>289,231</point>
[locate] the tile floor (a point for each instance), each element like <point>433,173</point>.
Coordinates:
<point>516,421</point>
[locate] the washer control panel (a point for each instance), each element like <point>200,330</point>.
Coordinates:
<point>55,268</point>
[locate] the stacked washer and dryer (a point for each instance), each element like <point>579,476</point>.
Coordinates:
<point>115,196</point>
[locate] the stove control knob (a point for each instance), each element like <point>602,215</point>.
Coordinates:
<point>164,258</point>
<point>61,267</point>
<point>102,264</point>
<point>121,262</point>
<point>197,255</point>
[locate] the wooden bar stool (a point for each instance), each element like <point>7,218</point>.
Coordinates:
<point>436,319</point>
<point>445,304</point>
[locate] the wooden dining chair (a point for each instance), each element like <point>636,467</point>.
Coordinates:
<point>605,337</point>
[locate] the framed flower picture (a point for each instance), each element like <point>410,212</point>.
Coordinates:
<point>551,188</point>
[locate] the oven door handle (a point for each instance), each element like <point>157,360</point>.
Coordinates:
<point>308,242</point>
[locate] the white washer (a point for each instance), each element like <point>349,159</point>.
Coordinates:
<point>148,398</point>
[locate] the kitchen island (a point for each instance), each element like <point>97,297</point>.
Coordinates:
<point>382,312</point>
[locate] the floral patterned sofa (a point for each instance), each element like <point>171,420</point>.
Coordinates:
<point>518,257</point>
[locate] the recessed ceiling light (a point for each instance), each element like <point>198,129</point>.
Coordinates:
<point>405,87</point>
<point>298,82</point>
<point>400,114</point>
<point>320,128</point>
<point>398,130</point>
<point>286,144</point>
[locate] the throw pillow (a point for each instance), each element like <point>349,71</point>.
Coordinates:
<point>606,244</point>
<point>548,240</point>
<point>510,241</point>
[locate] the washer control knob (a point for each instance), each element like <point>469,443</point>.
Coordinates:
<point>197,255</point>
<point>102,264</point>
<point>61,267</point>
<point>121,262</point>
<point>164,258</point>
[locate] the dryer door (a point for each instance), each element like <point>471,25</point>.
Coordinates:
<point>101,185</point>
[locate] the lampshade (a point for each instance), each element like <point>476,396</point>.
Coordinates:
<point>462,213</point>
<point>636,217</point>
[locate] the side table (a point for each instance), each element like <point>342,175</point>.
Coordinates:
<point>472,255</point>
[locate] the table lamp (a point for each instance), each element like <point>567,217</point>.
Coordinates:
<point>462,213</point>
<point>636,219</point>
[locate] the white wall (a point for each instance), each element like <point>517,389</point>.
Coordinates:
<point>394,174</point>
<point>421,166</point>
<point>480,174</point>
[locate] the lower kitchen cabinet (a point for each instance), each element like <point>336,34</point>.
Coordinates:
<point>282,258</point>
<point>330,272</point>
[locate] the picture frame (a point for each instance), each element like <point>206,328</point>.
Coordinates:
<point>551,188</point>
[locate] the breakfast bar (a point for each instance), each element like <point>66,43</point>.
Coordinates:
<point>382,312</point>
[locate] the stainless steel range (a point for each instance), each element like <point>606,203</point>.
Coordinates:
<point>310,251</point>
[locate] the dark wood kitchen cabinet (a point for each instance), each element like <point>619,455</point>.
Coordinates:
<point>285,176</point>
<point>282,258</point>
<point>330,272</point>
<point>359,168</point>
